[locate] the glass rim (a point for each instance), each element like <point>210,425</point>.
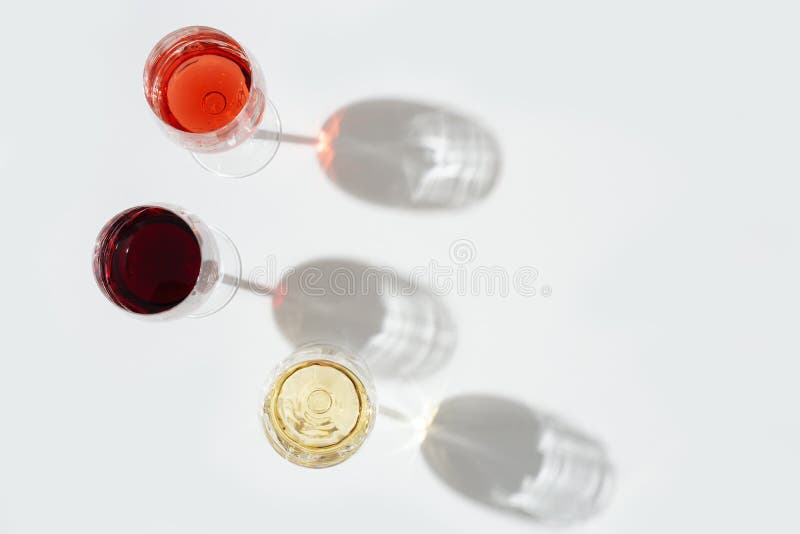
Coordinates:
<point>179,212</point>
<point>257,89</point>
<point>343,360</point>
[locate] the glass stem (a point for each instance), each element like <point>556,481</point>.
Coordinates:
<point>286,138</point>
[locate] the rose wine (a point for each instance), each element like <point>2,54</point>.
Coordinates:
<point>147,260</point>
<point>197,79</point>
<point>319,413</point>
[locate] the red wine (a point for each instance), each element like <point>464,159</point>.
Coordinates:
<point>147,260</point>
<point>197,79</point>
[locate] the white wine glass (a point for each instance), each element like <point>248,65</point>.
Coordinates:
<point>319,406</point>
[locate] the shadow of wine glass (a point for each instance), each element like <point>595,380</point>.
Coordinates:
<point>403,331</point>
<point>504,454</point>
<point>409,155</point>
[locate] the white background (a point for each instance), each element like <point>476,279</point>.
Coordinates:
<point>650,174</point>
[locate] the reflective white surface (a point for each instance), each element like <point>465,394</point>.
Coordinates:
<point>650,175</point>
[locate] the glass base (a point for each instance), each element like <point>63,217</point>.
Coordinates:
<point>252,155</point>
<point>230,276</point>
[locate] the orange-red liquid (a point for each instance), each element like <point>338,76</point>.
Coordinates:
<point>200,83</point>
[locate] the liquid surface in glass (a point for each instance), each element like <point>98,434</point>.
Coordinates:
<point>200,82</point>
<point>318,407</point>
<point>147,260</point>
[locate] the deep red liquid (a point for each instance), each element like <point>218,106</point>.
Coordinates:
<point>197,79</point>
<point>147,260</point>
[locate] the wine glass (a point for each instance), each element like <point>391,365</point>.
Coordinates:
<point>158,261</point>
<point>319,406</point>
<point>210,97</point>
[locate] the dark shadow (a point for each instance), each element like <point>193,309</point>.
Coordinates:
<point>402,331</point>
<point>502,453</point>
<point>409,155</point>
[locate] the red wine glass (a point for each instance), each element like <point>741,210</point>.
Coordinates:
<point>159,261</point>
<point>209,95</point>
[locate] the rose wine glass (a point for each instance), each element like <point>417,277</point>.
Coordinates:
<point>210,97</point>
<point>319,406</point>
<point>158,261</point>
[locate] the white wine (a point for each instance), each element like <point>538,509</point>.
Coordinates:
<point>317,412</point>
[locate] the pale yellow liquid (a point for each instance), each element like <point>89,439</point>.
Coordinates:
<point>319,411</point>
